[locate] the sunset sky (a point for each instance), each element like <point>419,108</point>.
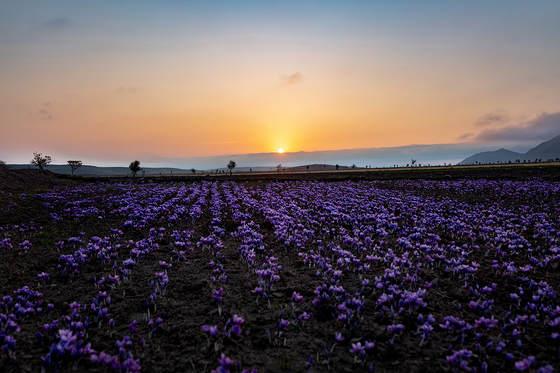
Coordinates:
<point>107,82</point>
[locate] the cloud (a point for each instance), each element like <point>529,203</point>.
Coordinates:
<point>45,115</point>
<point>57,23</point>
<point>46,103</point>
<point>542,128</point>
<point>291,79</point>
<point>491,119</point>
<point>465,137</point>
<point>128,89</point>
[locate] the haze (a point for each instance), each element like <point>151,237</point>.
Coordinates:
<point>108,82</point>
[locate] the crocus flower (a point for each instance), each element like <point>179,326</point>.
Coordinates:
<point>283,323</point>
<point>357,348</point>
<point>524,364</point>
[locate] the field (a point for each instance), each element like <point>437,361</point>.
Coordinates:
<point>293,275</point>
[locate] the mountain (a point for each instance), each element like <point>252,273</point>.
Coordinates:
<point>502,155</point>
<point>436,154</point>
<point>545,151</point>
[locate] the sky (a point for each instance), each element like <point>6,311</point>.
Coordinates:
<point>108,82</point>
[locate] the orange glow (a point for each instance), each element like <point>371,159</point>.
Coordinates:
<point>280,151</point>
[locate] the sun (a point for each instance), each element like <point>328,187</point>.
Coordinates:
<point>280,151</point>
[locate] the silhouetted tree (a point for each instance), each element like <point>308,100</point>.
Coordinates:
<point>74,165</point>
<point>353,166</point>
<point>3,165</point>
<point>337,166</point>
<point>231,165</point>
<point>40,161</point>
<point>193,170</point>
<point>279,167</point>
<point>135,167</point>
<point>307,167</point>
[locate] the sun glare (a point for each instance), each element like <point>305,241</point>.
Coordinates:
<point>280,151</point>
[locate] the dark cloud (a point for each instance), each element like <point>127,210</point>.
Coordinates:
<point>465,137</point>
<point>291,79</point>
<point>128,89</point>
<point>490,119</point>
<point>57,23</point>
<point>542,128</point>
<point>43,111</point>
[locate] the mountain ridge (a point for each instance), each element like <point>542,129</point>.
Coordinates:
<point>547,150</point>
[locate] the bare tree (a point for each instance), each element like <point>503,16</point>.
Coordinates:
<point>74,165</point>
<point>134,167</point>
<point>40,161</point>
<point>231,165</point>
<point>3,165</point>
<point>412,162</point>
<point>193,170</point>
<point>279,167</point>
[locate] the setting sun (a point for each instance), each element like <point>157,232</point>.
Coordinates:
<point>280,151</point>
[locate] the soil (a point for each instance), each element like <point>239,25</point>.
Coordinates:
<point>180,345</point>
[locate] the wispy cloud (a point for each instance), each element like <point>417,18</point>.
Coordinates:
<point>291,79</point>
<point>45,115</point>
<point>56,23</point>
<point>492,119</point>
<point>542,128</point>
<point>128,89</point>
<point>465,137</point>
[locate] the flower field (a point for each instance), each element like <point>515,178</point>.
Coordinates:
<point>269,276</point>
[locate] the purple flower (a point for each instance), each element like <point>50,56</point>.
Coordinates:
<point>305,316</point>
<point>132,327</point>
<point>427,328</point>
<point>357,348</point>
<point>217,294</point>
<point>225,361</point>
<point>129,263</point>
<point>236,329</point>
<point>237,320</point>
<point>211,330</point>
<point>524,364</point>
<point>297,297</point>
<point>369,345</point>
<point>338,337</point>
<point>283,324</point>
<point>395,328</point>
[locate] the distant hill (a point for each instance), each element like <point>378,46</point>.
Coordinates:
<point>543,152</point>
<point>87,170</point>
